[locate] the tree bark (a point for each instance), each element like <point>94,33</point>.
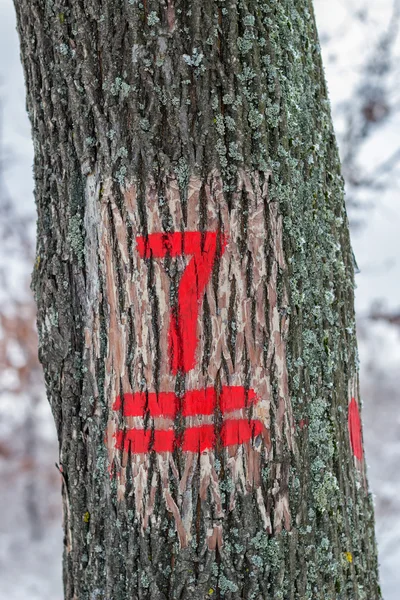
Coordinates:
<point>194,282</point>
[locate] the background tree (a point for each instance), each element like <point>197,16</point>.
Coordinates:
<point>194,281</point>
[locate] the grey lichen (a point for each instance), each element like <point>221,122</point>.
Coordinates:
<point>152,18</point>
<point>119,88</point>
<point>195,60</point>
<point>75,238</point>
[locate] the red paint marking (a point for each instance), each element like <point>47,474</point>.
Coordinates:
<point>235,398</point>
<point>239,431</point>
<point>119,439</point>
<point>141,441</point>
<point>117,403</point>
<point>198,439</point>
<point>199,402</point>
<point>162,404</point>
<point>164,441</point>
<point>137,440</point>
<point>194,403</point>
<point>354,423</point>
<point>183,324</point>
<point>204,248</point>
<point>134,405</point>
<point>195,439</point>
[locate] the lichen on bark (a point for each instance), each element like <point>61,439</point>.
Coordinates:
<point>129,102</point>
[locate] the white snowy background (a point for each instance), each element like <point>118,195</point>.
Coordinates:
<point>361,51</point>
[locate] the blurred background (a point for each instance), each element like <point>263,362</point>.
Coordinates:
<point>360,42</point>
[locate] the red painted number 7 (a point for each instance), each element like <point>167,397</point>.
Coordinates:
<point>204,249</point>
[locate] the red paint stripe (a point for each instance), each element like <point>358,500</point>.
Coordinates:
<point>183,329</point>
<point>163,404</point>
<point>119,439</point>
<point>134,405</point>
<point>141,441</point>
<point>198,439</point>
<point>236,397</point>
<point>239,431</point>
<point>137,440</point>
<point>195,439</point>
<point>160,245</point>
<point>183,325</point>
<point>354,423</point>
<point>117,403</point>
<point>194,402</point>
<point>164,441</point>
<point>199,402</point>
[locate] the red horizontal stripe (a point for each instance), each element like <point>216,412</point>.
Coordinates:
<point>117,404</point>
<point>137,440</point>
<point>160,245</point>
<point>140,441</point>
<point>239,431</point>
<point>134,404</point>
<point>164,441</point>
<point>195,439</point>
<point>119,439</point>
<point>236,397</point>
<point>198,439</point>
<point>163,404</point>
<point>199,402</point>
<point>194,402</point>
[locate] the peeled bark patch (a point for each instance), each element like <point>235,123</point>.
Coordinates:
<point>197,387</point>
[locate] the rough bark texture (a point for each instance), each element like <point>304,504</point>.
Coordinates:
<point>207,122</point>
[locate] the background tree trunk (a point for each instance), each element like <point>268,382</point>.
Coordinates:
<point>194,281</point>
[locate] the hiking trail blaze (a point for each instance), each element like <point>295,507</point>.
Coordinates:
<point>207,381</point>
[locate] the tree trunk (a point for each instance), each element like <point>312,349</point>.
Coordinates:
<point>194,281</point>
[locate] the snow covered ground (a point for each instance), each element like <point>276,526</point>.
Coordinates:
<point>30,521</point>
<point>30,555</point>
